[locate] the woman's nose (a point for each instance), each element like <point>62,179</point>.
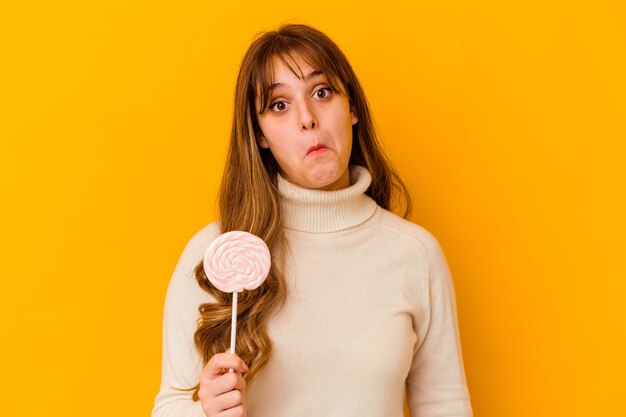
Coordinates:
<point>307,119</point>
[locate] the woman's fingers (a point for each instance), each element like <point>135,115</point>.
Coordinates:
<point>229,400</point>
<point>227,382</point>
<point>214,368</point>
<point>239,411</point>
<point>222,391</point>
<point>214,404</point>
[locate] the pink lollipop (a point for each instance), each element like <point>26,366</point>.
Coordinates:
<point>237,260</point>
<point>234,261</point>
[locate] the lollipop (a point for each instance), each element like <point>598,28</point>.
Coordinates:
<point>235,261</point>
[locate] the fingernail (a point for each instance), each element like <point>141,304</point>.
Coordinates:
<point>245,368</point>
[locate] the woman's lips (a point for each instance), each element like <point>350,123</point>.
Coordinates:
<point>316,150</point>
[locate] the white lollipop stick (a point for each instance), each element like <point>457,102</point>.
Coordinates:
<point>233,326</point>
<point>235,261</point>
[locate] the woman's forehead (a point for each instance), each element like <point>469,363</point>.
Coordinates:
<point>280,69</point>
<point>284,78</point>
<point>294,63</point>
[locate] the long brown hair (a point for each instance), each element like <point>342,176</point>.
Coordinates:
<point>248,196</point>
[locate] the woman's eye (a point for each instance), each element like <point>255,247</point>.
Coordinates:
<point>326,91</point>
<point>279,105</point>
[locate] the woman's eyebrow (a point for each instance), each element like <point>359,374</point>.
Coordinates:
<point>307,78</point>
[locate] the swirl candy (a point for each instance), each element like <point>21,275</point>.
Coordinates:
<point>234,261</point>
<point>237,260</point>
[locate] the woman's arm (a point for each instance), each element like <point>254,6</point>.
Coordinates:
<point>181,363</point>
<point>436,384</point>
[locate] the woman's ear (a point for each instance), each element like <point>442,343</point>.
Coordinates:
<point>263,142</point>
<point>352,112</point>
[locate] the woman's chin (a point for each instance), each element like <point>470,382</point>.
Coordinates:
<point>329,180</point>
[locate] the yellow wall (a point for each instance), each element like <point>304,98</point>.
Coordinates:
<point>507,120</point>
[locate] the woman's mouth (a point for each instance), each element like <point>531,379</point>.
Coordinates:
<point>316,150</point>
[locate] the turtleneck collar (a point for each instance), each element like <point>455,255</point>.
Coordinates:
<point>318,211</point>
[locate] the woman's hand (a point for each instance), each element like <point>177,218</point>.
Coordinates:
<point>221,392</point>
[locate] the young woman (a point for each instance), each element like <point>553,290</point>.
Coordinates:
<point>358,311</point>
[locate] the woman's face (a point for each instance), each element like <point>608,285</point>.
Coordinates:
<point>308,128</point>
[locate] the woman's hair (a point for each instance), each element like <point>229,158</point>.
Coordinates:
<point>248,196</point>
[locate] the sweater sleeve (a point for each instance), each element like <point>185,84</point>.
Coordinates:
<point>436,383</point>
<point>181,364</point>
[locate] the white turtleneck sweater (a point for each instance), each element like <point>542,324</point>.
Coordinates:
<point>369,321</point>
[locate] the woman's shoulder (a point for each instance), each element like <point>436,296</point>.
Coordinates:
<point>206,234</point>
<point>201,239</point>
<point>196,245</point>
<point>183,283</point>
<point>409,232</point>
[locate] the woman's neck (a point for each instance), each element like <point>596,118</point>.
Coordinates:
<point>319,211</point>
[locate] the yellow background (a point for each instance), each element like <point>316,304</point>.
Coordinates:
<point>507,120</point>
